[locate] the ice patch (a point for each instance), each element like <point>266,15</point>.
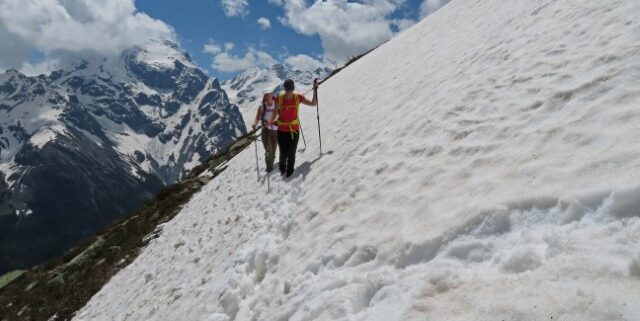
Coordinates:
<point>45,135</point>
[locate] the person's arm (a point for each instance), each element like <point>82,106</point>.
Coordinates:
<point>258,117</point>
<point>306,101</point>
<point>314,101</point>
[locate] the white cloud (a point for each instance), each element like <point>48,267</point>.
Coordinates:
<point>403,24</point>
<point>226,61</point>
<point>235,8</point>
<point>40,68</point>
<point>264,23</point>
<point>346,29</point>
<point>430,6</point>
<point>212,48</point>
<point>304,62</point>
<point>56,27</point>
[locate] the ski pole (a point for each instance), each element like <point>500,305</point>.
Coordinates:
<point>315,83</point>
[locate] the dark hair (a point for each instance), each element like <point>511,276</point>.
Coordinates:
<point>289,85</point>
<point>264,97</point>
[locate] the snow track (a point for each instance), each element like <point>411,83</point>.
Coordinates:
<point>483,165</point>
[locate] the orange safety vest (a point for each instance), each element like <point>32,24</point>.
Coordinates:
<point>288,120</point>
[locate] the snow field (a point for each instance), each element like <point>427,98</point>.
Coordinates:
<point>482,165</point>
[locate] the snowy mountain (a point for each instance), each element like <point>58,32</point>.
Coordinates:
<point>482,165</point>
<point>246,89</point>
<point>87,143</point>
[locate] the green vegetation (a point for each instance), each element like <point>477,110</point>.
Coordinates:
<point>9,277</point>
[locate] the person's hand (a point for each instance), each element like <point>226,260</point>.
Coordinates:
<point>254,125</point>
<point>315,84</point>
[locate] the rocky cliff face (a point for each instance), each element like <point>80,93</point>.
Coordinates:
<point>87,143</point>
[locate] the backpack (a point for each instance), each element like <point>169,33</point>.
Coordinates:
<point>281,108</point>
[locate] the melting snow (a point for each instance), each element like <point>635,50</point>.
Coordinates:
<point>483,165</point>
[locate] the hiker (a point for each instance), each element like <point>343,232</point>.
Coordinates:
<point>289,124</point>
<point>267,116</point>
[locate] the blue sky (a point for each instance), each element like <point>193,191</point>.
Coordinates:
<point>224,37</point>
<point>201,21</point>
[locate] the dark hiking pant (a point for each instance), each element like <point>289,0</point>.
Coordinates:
<point>270,142</point>
<point>288,143</point>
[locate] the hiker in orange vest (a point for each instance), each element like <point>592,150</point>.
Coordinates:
<point>289,124</point>
<point>267,116</point>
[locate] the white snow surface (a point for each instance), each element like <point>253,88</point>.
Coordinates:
<point>483,165</point>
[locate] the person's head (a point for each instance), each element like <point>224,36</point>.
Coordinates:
<point>267,98</point>
<point>289,86</point>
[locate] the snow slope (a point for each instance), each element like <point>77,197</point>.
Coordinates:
<point>483,165</point>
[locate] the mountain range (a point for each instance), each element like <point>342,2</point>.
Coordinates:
<point>83,145</point>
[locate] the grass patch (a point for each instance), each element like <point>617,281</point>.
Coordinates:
<point>9,277</point>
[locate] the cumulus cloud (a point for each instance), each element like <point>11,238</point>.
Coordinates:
<point>55,27</point>
<point>346,29</point>
<point>40,68</point>
<point>430,6</point>
<point>304,62</point>
<point>212,48</point>
<point>235,8</point>
<point>403,24</point>
<point>264,23</point>
<point>226,61</point>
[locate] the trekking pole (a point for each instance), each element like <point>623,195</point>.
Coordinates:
<point>302,134</point>
<point>257,162</point>
<point>315,81</point>
<point>268,183</point>
<point>269,143</point>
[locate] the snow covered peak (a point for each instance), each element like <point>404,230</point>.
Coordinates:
<point>482,165</point>
<point>106,133</point>
<point>280,71</point>
<point>12,73</point>
<point>161,54</point>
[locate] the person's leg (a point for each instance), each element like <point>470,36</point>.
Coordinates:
<point>293,148</point>
<point>282,144</point>
<point>265,142</point>
<point>273,142</point>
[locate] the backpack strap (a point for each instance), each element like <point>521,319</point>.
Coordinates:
<point>264,111</point>
<point>280,101</point>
